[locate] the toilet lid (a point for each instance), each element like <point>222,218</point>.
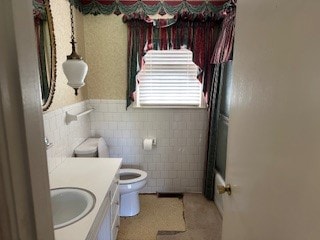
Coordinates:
<point>89,146</point>
<point>128,175</point>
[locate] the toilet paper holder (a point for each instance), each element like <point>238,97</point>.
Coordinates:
<point>154,141</point>
<point>149,143</point>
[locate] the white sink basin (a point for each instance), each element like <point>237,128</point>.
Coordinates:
<point>69,205</point>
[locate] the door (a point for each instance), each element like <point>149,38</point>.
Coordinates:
<point>25,208</point>
<point>273,156</point>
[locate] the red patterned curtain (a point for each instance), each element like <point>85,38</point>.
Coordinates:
<point>197,33</point>
<point>224,46</point>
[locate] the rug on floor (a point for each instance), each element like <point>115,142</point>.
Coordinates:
<point>156,214</point>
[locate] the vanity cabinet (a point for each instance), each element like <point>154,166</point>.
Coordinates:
<point>115,201</point>
<point>101,179</point>
<point>110,223</point>
<point>104,229</point>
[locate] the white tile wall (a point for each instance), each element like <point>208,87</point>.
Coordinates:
<point>65,137</point>
<point>176,163</point>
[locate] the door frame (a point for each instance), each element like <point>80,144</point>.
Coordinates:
<point>24,184</point>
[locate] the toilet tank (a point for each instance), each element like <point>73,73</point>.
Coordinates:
<point>89,148</point>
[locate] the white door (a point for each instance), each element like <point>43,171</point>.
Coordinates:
<point>273,159</point>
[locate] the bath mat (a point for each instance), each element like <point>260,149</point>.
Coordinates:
<point>156,214</point>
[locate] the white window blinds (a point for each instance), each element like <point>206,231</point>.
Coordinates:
<point>168,78</point>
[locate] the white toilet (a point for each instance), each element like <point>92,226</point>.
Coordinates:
<point>131,180</point>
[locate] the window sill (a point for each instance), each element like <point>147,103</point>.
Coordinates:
<point>134,106</point>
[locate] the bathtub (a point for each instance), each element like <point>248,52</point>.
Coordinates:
<point>218,197</point>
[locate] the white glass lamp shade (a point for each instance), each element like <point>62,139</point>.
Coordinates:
<point>75,71</point>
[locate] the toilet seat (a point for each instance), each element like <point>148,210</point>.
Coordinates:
<point>133,179</point>
<point>142,176</point>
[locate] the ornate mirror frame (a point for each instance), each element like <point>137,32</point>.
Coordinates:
<point>52,75</point>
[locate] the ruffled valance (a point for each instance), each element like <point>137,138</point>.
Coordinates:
<point>130,7</point>
<point>185,16</point>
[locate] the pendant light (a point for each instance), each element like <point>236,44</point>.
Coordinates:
<point>74,67</point>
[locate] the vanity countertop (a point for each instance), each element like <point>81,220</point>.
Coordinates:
<point>93,174</point>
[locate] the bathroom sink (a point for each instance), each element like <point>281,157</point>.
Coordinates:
<point>69,205</point>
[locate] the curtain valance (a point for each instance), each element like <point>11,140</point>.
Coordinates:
<point>149,7</point>
<point>160,23</point>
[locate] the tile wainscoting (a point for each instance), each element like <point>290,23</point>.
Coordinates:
<point>176,163</point>
<point>65,137</point>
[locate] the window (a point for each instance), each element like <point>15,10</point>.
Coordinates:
<point>168,78</point>
<point>196,32</point>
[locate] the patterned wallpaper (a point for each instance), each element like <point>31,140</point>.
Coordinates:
<point>106,55</point>
<point>64,95</point>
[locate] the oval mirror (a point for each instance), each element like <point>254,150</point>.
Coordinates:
<point>46,49</point>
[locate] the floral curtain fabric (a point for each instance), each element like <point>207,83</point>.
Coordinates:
<point>196,33</point>
<point>224,46</point>
<point>148,7</point>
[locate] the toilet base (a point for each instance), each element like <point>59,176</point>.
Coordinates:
<point>129,204</point>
